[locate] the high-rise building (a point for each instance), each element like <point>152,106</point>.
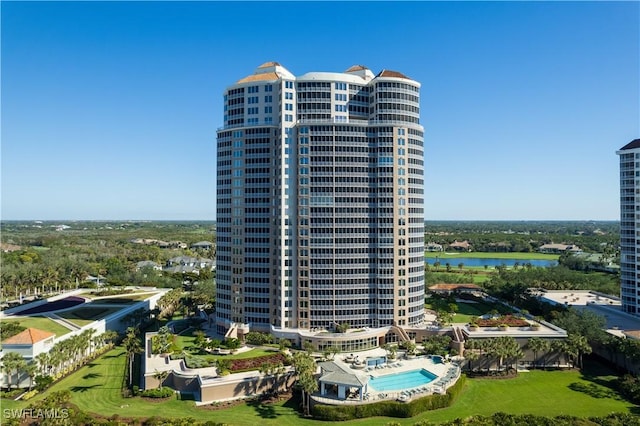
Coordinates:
<point>320,219</point>
<point>630,226</point>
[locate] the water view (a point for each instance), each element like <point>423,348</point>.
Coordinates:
<point>489,261</point>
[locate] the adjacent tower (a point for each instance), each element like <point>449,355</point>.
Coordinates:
<point>320,218</point>
<point>630,226</point>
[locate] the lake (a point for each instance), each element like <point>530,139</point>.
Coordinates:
<point>489,261</point>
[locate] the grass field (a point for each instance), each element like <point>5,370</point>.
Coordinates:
<point>482,255</point>
<point>41,323</point>
<point>96,388</point>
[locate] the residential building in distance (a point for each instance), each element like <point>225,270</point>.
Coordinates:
<point>630,226</point>
<point>559,248</point>
<point>320,218</point>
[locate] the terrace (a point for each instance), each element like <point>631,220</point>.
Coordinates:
<point>395,379</point>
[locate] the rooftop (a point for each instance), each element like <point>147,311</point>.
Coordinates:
<point>631,145</point>
<point>28,337</point>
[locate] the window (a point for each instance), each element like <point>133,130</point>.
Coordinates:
<point>288,84</point>
<point>268,110</point>
<point>268,98</point>
<point>253,89</point>
<point>288,107</point>
<point>288,117</point>
<point>268,88</point>
<point>341,86</point>
<point>288,95</point>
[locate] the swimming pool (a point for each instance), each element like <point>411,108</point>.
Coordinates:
<point>399,381</point>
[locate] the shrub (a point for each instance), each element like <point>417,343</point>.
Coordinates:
<point>257,338</point>
<point>337,413</point>
<point>196,362</point>
<point>163,392</point>
<point>27,396</point>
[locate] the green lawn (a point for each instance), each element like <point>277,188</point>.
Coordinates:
<point>124,299</point>
<point>483,255</point>
<point>96,388</point>
<point>468,310</point>
<point>41,323</point>
<point>185,342</point>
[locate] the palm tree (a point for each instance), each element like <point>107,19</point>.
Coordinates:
<point>31,369</point>
<point>560,347</point>
<point>43,361</point>
<point>160,376</point>
<point>305,368</point>
<point>471,356</point>
<point>89,336</point>
<point>108,337</point>
<point>536,345</point>
<point>12,364</point>
<point>132,346</point>
<point>577,346</point>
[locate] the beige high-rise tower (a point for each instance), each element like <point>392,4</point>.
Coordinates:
<point>320,217</point>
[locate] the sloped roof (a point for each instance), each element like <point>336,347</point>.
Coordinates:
<point>631,145</point>
<point>28,337</point>
<point>337,375</point>
<point>265,76</point>
<point>270,64</point>
<point>357,68</point>
<point>452,287</point>
<point>389,73</point>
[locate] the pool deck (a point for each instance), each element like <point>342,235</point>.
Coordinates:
<point>447,374</point>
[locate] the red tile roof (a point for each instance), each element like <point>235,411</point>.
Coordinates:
<point>389,73</point>
<point>357,68</point>
<point>451,287</point>
<point>265,76</point>
<point>269,64</point>
<point>28,337</point>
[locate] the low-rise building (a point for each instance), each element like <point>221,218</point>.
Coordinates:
<point>553,248</point>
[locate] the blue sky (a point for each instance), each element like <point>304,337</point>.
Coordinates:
<point>110,110</point>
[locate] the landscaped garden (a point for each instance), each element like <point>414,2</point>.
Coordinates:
<point>199,352</point>
<point>41,323</point>
<point>96,388</point>
<point>502,320</point>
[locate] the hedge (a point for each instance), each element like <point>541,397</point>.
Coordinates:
<point>389,408</point>
<point>163,392</point>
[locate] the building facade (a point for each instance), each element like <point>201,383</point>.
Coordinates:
<point>320,217</point>
<point>630,226</point>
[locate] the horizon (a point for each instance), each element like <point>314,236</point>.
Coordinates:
<point>110,109</point>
